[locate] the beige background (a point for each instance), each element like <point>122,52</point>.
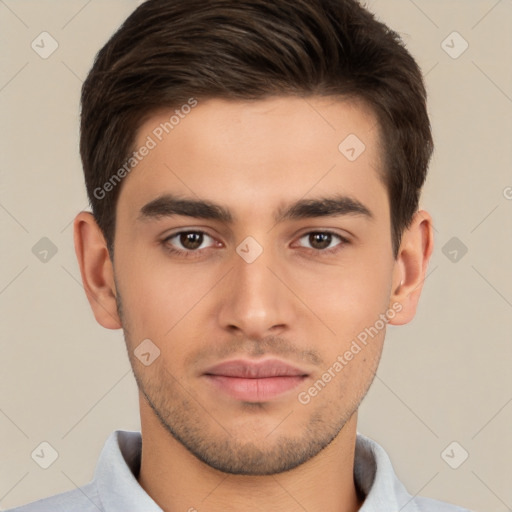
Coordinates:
<point>445,377</point>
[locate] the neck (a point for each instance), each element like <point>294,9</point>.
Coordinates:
<point>177,481</point>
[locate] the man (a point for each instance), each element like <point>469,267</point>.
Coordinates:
<point>254,170</point>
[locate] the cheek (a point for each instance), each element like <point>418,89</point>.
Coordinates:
<point>354,307</point>
<point>348,297</point>
<point>160,299</point>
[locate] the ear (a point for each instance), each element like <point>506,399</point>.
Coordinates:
<point>97,270</point>
<point>411,266</point>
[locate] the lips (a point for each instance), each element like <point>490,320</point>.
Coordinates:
<point>255,370</point>
<point>254,381</point>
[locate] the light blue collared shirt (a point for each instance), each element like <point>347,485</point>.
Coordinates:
<point>114,487</point>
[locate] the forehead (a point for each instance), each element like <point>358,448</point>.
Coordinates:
<point>264,152</point>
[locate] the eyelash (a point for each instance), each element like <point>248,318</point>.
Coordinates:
<point>197,253</point>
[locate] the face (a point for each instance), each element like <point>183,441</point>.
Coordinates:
<point>254,252</point>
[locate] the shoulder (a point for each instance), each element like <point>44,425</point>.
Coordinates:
<point>84,499</point>
<point>375,477</point>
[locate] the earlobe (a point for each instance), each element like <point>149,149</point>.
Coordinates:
<point>411,267</point>
<point>96,270</point>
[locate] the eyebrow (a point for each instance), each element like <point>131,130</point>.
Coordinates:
<point>169,205</point>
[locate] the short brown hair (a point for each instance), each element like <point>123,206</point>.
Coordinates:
<point>168,51</point>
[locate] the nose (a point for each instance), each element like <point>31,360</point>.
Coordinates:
<point>254,301</point>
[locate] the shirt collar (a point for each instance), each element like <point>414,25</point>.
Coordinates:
<point>116,474</point>
<point>119,463</point>
<point>375,477</point>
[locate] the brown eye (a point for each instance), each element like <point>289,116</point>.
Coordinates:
<point>320,240</point>
<point>323,242</point>
<point>191,240</point>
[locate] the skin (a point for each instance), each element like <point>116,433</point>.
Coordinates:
<point>203,449</point>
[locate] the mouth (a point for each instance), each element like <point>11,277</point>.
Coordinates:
<point>252,381</point>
